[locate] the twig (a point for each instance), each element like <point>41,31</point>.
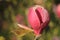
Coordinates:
<point>24,27</point>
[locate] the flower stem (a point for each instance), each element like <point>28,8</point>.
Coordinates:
<point>37,37</point>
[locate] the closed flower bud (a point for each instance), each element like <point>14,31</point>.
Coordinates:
<point>19,19</point>
<point>38,18</point>
<point>58,10</point>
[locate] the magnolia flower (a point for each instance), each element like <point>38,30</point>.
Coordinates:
<point>38,18</point>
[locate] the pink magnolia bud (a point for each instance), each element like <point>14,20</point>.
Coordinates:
<point>38,18</point>
<point>19,19</point>
<point>58,10</point>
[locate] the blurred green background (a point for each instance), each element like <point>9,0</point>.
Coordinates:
<point>10,10</point>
